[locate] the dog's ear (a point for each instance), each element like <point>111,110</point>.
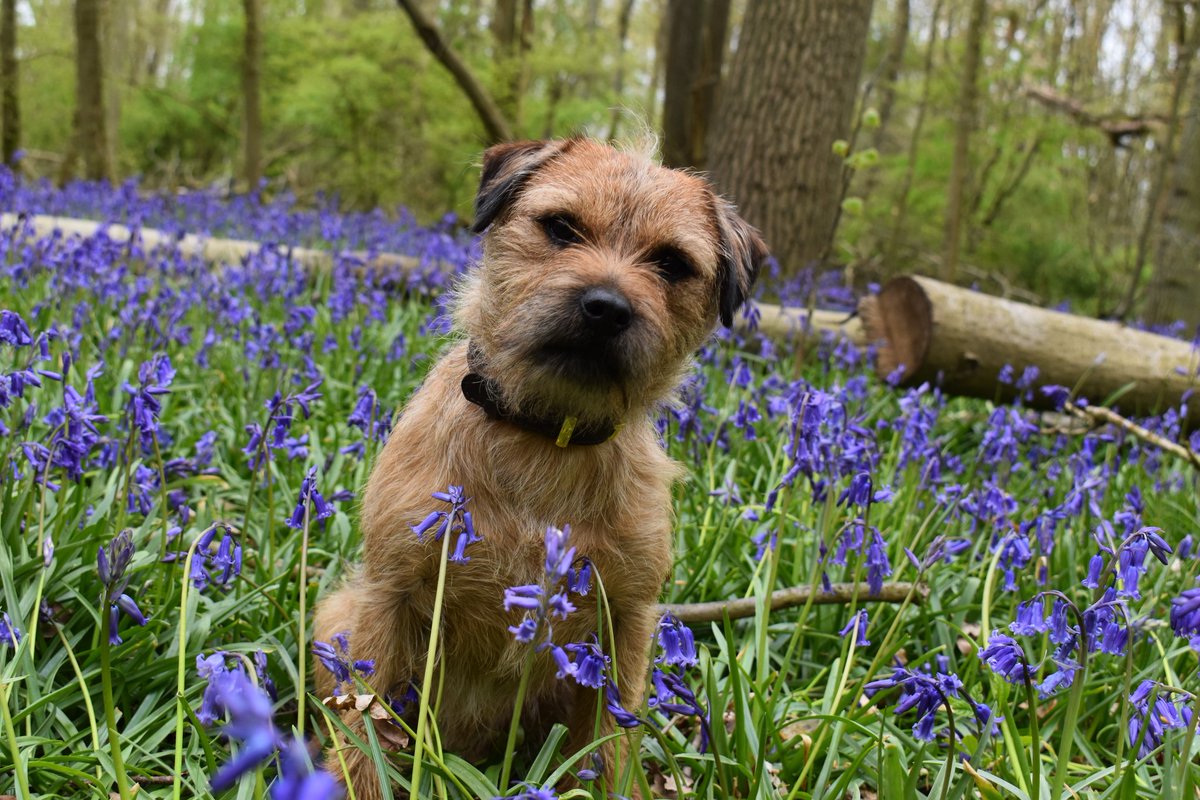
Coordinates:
<point>506,168</point>
<point>742,255</point>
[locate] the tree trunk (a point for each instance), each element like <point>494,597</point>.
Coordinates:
<point>961,340</point>
<point>890,71</point>
<point>965,124</point>
<point>791,94</point>
<point>251,95</point>
<point>90,129</point>
<point>1174,290</point>
<point>619,76</point>
<point>1162,195</point>
<point>895,242</point>
<point>10,121</point>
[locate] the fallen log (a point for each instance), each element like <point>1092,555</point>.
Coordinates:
<point>962,339</point>
<point>782,323</point>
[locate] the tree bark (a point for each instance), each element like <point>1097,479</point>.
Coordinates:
<point>494,121</point>
<point>90,121</point>
<point>10,121</point>
<point>619,76</point>
<point>962,339</point>
<point>890,70</point>
<point>251,94</point>
<point>695,48</point>
<point>1174,290</point>
<point>900,212</point>
<point>965,124</point>
<point>1164,196</point>
<point>790,95</point>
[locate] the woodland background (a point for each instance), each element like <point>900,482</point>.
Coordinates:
<point>1047,150</point>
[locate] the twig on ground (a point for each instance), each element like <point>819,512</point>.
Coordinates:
<point>1099,415</point>
<point>840,593</point>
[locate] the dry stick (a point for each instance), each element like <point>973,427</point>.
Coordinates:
<point>1099,415</point>
<point>839,594</point>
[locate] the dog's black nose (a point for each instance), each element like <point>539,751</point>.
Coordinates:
<point>606,311</point>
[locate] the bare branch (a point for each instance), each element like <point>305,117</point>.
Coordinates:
<point>839,594</point>
<point>1118,127</point>
<point>497,127</point>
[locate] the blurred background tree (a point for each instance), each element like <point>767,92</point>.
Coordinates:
<point>1045,150</point>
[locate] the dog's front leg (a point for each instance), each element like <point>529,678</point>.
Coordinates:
<point>387,630</point>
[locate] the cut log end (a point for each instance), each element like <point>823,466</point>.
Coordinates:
<point>899,320</point>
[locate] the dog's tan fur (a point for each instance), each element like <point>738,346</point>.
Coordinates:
<point>615,495</point>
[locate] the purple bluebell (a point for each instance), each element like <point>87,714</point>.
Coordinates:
<point>13,330</point>
<point>858,626</point>
<point>338,662</point>
<point>10,634</point>
<point>1154,717</point>
<point>457,522</point>
<point>924,692</point>
<point>112,564</point>
<point>250,724</point>
<point>677,643</point>
<point>309,495</point>
<point>299,780</point>
<point>1185,613</point>
<point>1004,656</point>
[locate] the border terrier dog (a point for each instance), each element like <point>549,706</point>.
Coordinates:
<point>602,273</point>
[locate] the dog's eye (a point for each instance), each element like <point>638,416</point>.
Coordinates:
<point>561,230</point>
<point>671,264</point>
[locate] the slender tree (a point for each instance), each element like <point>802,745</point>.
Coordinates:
<point>960,167</point>
<point>1174,290</point>
<point>619,75</point>
<point>893,60</point>
<point>10,122</point>
<point>790,95</point>
<point>495,122</point>
<point>251,94</point>
<point>90,121</point>
<point>695,48</point>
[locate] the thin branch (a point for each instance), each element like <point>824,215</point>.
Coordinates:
<point>839,594</point>
<point>1118,127</point>
<point>1099,415</point>
<point>497,127</point>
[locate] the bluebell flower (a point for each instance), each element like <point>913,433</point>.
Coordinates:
<point>298,780</point>
<point>584,662</point>
<point>677,643</point>
<point>1185,613</point>
<point>250,723</point>
<point>112,564</point>
<point>457,522</point>
<point>309,494</point>
<point>1030,618</point>
<point>13,330</point>
<point>1154,717</point>
<point>672,695</point>
<point>10,634</point>
<point>858,625</point>
<point>1095,565</point>
<point>1004,656</point>
<point>924,692</point>
<point>339,663</point>
<point>528,596</point>
<point>532,792</point>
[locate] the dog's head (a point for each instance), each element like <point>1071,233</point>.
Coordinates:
<point>602,273</point>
